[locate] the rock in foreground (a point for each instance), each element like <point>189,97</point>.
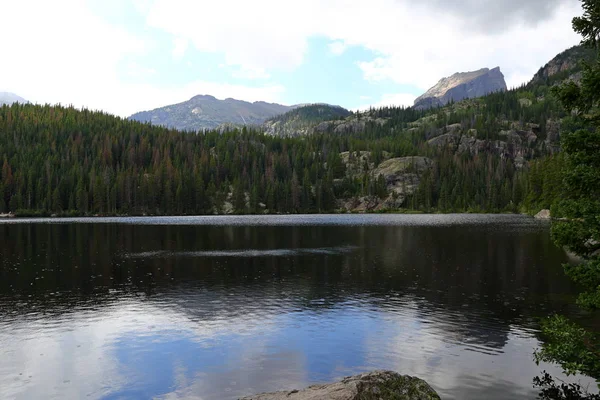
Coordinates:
<point>372,385</point>
<point>544,214</point>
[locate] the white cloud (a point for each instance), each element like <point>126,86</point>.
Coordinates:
<point>93,341</point>
<point>142,6</point>
<point>180,46</point>
<point>65,52</point>
<point>266,33</point>
<point>138,71</point>
<point>391,99</point>
<point>416,43</point>
<point>146,97</point>
<point>337,48</point>
<point>440,49</point>
<point>250,73</point>
<point>62,52</point>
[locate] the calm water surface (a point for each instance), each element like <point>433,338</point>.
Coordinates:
<point>221,307</point>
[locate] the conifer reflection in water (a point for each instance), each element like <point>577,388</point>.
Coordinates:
<point>149,309</point>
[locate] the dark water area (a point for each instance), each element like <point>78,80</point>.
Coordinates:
<point>221,307</point>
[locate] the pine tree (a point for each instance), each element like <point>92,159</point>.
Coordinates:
<point>578,227</point>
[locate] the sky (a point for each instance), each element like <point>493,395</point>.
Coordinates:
<point>125,56</point>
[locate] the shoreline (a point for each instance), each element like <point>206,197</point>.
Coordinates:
<point>41,215</point>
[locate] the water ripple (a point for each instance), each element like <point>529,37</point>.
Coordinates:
<point>244,253</point>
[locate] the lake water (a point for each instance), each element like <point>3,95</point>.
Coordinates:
<point>221,307</point>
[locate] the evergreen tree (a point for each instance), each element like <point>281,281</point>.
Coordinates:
<point>578,227</point>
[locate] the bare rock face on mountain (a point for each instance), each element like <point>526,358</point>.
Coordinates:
<point>462,85</point>
<point>518,142</point>
<point>207,112</point>
<point>402,177</point>
<point>565,66</point>
<point>374,385</point>
<point>9,98</point>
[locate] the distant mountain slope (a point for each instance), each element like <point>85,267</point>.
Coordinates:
<point>565,65</point>
<point>462,85</point>
<point>473,155</point>
<point>9,98</point>
<point>302,120</point>
<point>207,112</point>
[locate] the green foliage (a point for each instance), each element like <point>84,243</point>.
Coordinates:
<point>570,62</point>
<point>576,348</point>
<point>563,391</point>
<point>57,160</point>
<point>577,212</point>
<point>579,207</point>
<point>397,388</point>
<point>588,25</point>
<point>313,113</point>
<point>544,183</point>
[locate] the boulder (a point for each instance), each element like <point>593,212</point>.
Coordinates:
<point>324,127</point>
<point>446,140</point>
<point>544,214</point>
<point>453,128</point>
<point>362,204</point>
<point>525,102</point>
<point>351,126</point>
<point>394,166</point>
<point>372,385</point>
<point>402,175</point>
<point>471,144</point>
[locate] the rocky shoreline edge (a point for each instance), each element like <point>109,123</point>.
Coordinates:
<point>368,386</point>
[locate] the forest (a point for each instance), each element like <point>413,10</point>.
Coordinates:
<point>64,161</point>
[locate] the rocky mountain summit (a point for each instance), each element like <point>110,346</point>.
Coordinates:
<point>207,112</point>
<point>369,386</point>
<point>462,85</point>
<point>9,98</point>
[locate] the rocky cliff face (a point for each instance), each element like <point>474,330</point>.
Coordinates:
<point>462,85</point>
<point>565,65</point>
<point>207,112</point>
<point>402,177</point>
<point>517,143</point>
<point>370,386</point>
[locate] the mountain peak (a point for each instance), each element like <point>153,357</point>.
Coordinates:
<point>9,98</point>
<point>462,85</point>
<point>207,112</point>
<point>203,97</point>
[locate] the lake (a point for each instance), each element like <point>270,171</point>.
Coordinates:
<point>221,307</point>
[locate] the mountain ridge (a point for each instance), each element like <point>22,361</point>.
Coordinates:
<point>462,85</point>
<point>473,155</point>
<point>565,65</point>
<point>303,119</point>
<point>207,112</point>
